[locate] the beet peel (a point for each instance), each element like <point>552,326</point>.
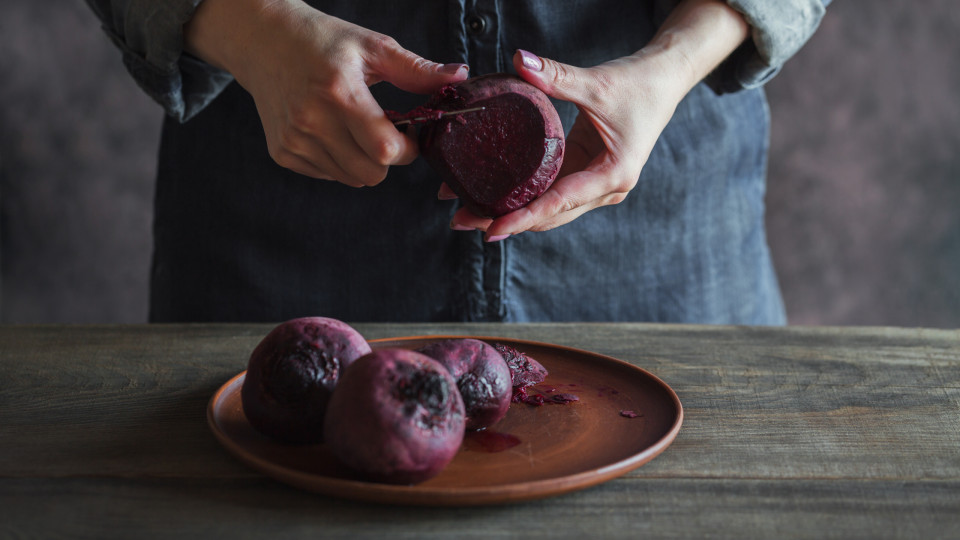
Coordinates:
<point>524,370</point>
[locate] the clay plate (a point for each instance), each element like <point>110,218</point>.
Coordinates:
<point>533,452</point>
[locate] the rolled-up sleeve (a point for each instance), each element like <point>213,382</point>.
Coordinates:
<point>149,34</point>
<point>777,31</point>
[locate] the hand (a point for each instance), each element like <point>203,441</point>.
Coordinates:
<point>621,114</point>
<point>309,75</point>
<point>623,106</point>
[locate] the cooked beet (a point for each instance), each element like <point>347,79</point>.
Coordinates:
<point>524,371</point>
<point>291,374</point>
<point>396,417</point>
<point>499,159</point>
<point>482,376</point>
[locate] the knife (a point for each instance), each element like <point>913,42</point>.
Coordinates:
<point>428,118</point>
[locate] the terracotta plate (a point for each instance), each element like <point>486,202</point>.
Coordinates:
<point>533,452</point>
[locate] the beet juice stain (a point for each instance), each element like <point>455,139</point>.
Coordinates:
<point>489,441</point>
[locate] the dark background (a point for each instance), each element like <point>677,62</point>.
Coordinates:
<point>863,195</point>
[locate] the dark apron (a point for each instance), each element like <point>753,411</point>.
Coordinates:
<point>238,238</point>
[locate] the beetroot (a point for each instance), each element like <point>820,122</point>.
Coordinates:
<point>524,371</point>
<point>482,376</point>
<point>292,373</point>
<point>396,417</point>
<point>499,159</point>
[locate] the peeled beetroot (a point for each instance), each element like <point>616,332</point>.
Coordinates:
<point>499,159</point>
<point>482,376</point>
<point>292,373</point>
<point>395,417</point>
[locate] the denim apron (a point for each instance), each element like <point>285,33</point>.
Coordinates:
<point>238,238</point>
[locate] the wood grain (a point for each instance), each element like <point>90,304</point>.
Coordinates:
<point>789,432</point>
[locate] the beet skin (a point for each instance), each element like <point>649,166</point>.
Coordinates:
<point>499,159</point>
<point>524,371</point>
<point>292,373</point>
<point>483,378</point>
<point>395,417</point>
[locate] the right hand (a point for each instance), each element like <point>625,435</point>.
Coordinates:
<point>309,75</point>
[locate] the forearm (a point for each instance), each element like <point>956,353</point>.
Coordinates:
<point>696,37</point>
<point>205,34</point>
<point>223,33</point>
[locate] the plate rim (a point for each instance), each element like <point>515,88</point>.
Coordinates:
<point>455,496</point>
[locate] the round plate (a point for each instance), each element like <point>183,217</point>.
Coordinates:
<point>624,418</point>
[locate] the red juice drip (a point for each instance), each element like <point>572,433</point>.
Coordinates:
<point>489,441</point>
<point>605,391</point>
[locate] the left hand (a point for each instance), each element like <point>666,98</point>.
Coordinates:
<point>624,105</point>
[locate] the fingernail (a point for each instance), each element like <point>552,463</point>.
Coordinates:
<point>497,238</point>
<point>446,196</point>
<point>530,60</point>
<point>452,69</point>
<point>459,227</point>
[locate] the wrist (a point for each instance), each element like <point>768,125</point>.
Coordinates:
<point>223,33</point>
<point>696,37</point>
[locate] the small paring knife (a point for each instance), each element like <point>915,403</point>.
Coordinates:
<point>423,119</point>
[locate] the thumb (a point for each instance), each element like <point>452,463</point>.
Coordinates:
<point>561,81</point>
<point>411,72</point>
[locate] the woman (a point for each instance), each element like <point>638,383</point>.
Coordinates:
<point>283,190</point>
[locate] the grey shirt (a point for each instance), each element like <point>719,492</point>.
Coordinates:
<point>239,238</point>
<point>150,34</point>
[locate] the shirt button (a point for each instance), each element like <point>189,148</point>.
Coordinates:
<point>476,24</point>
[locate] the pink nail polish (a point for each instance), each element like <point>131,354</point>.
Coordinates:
<point>497,238</point>
<point>451,69</point>
<point>530,60</point>
<point>459,227</point>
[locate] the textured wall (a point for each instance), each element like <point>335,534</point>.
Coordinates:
<point>77,146</point>
<point>864,174</point>
<point>864,190</point>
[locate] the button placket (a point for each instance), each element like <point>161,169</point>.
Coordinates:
<point>481,20</point>
<point>476,24</point>
<point>481,29</point>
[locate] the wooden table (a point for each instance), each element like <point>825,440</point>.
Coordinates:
<point>788,433</point>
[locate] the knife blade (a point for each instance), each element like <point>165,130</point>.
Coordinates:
<point>428,118</point>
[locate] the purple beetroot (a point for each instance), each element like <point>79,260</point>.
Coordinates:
<point>292,373</point>
<point>396,417</point>
<point>499,159</point>
<point>482,376</point>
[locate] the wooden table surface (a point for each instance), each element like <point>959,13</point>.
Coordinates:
<point>788,433</point>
